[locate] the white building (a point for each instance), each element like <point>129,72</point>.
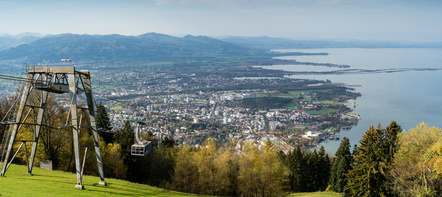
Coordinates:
<point>313,134</point>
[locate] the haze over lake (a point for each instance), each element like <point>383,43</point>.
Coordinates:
<point>408,97</point>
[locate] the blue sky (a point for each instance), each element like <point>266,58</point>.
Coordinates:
<point>404,20</point>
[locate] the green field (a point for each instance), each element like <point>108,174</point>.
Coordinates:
<point>327,102</point>
<point>294,105</point>
<point>301,127</point>
<point>322,111</point>
<point>118,106</point>
<point>57,183</point>
<point>291,94</point>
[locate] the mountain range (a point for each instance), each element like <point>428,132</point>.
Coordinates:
<point>34,48</point>
<point>9,41</point>
<point>119,47</point>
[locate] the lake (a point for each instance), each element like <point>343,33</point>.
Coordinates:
<point>408,97</point>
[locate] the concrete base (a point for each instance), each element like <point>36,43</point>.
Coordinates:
<point>79,186</point>
<point>103,183</point>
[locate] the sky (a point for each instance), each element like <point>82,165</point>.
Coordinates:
<point>381,20</point>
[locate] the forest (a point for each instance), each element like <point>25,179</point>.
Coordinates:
<point>387,162</point>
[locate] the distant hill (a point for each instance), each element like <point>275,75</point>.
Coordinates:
<point>33,48</point>
<point>8,41</point>
<point>268,43</point>
<point>24,34</point>
<point>119,47</point>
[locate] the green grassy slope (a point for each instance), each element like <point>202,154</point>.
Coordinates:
<point>57,183</point>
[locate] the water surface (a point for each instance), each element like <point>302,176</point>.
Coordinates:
<point>408,98</point>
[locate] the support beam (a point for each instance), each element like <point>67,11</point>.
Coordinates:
<point>21,108</point>
<point>75,128</point>
<point>41,111</point>
<point>90,103</point>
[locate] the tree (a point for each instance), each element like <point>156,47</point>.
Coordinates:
<point>136,170</point>
<point>325,169</point>
<point>319,168</point>
<point>391,143</point>
<point>102,120</point>
<point>126,138</point>
<point>297,164</point>
<point>186,172</point>
<point>167,142</point>
<point>417,165</point>
<point>369,176</point>
<point>112,163</point>
<point>232,174</point>
<point>162,161</point>
<point>312,172</point>
<point>212,169</point>
<point>206,169</point>
<point>261,172</point>
<point>222,169</point>
<point>341,166</point>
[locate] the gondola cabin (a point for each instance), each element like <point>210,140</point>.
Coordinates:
<point>141,149</point>
<point>141,146</point>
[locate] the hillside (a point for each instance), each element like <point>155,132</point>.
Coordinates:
<point>7,42</point>
<point>151,46</point>
<point>57,183</point>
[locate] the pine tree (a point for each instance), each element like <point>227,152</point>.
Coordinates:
<point>126,138</point>
<point>102,120</point>
<point>324,168</point>
<point>370,172</point>
<point>136,171</point>
<point>391,144</point>
<point>297,164</point>
<point>313,172</point>
<point>341,165</point>
<point>355,152</point>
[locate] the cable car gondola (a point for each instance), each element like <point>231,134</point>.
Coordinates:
<point>141,147</point>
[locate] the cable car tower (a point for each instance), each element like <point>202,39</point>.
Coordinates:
<point>59,80</point>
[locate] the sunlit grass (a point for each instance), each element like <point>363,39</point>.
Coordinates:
<point>322,111</point>
<point>57,183</point>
